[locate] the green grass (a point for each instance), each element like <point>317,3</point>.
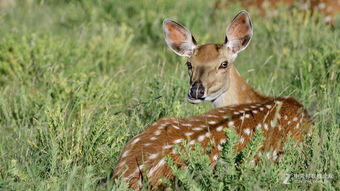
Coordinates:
<point>78,79</point>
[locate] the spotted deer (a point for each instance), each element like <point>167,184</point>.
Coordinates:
<point>214,78</point>
<point>328,8</point>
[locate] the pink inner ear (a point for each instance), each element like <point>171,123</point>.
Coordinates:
<point>175,35</point>
<point>239,27</point>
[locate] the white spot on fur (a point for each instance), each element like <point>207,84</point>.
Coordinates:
<point>188,133</point>
<point>236,113</point>
<point>295,119</point>
<point>187,124</point>
<point>134,173</point>
<point>122,163</point>
<point>135,141</point>
<point>153,156</point>
<point>230,123</point>
<point>244,116</point>
<point>241,140</point>
<point>173,151</point>
<point>153,138</point>
<point>213,116</point>
<point>265,126</point>
<point>197,129</point>
<point>125,154</point>
<point>289,122</point>
<point>258,126</point>
<point>162,126</point>
<point>158,132</point>
<point>167,146</point>
<point>279,127</point>
<point>212,122</point>
<point>178,141</point>
<point>285,117</point>
<point>261,108</point>
<point>277,102</point>
<point>174,126</point>
<point>297,126</point>
<point>215,157</point>
<point>221,111</point>
<point>195,119</point>
<point>274,155</point>
<point>220,128</point>
<point>201,138</point>
<point>226,116</point>
<point>222,141</point>
<point>159,164</point>
<point>268,106</point>
<point>208,134</point>
<point>147,144</point>
<point>219,147</point>
<point>253,106</point>
<point>247,131</point>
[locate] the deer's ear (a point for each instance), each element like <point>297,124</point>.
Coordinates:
<point>178,38</point>
<point>239,32</point>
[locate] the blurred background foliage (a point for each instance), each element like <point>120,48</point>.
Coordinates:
<point>78,79</point>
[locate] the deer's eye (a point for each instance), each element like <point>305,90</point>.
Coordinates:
<point>189,65</point>
<point>224,64</point>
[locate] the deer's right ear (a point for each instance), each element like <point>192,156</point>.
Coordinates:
<point>178,38</point>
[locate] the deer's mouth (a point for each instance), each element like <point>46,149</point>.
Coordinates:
<point>194,100</point>
<point>214,95</point>
<point>211,97</point>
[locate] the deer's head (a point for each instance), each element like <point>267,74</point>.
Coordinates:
<point>209,65</point>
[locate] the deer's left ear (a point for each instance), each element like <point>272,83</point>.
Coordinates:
<point>178,38</point>
<point>239,32</point>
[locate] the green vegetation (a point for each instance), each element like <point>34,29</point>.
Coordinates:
<point>78,79</point>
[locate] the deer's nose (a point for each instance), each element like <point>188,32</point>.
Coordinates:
<point>197,90</point>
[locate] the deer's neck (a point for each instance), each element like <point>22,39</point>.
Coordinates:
<point>239,92</point>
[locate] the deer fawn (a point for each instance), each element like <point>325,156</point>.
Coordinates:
<point>329,8</point>
<point>214,78</point>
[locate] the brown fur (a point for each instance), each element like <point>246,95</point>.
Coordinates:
<point>239,91</point>
<point>208,52</point>
<point>143,156</point>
